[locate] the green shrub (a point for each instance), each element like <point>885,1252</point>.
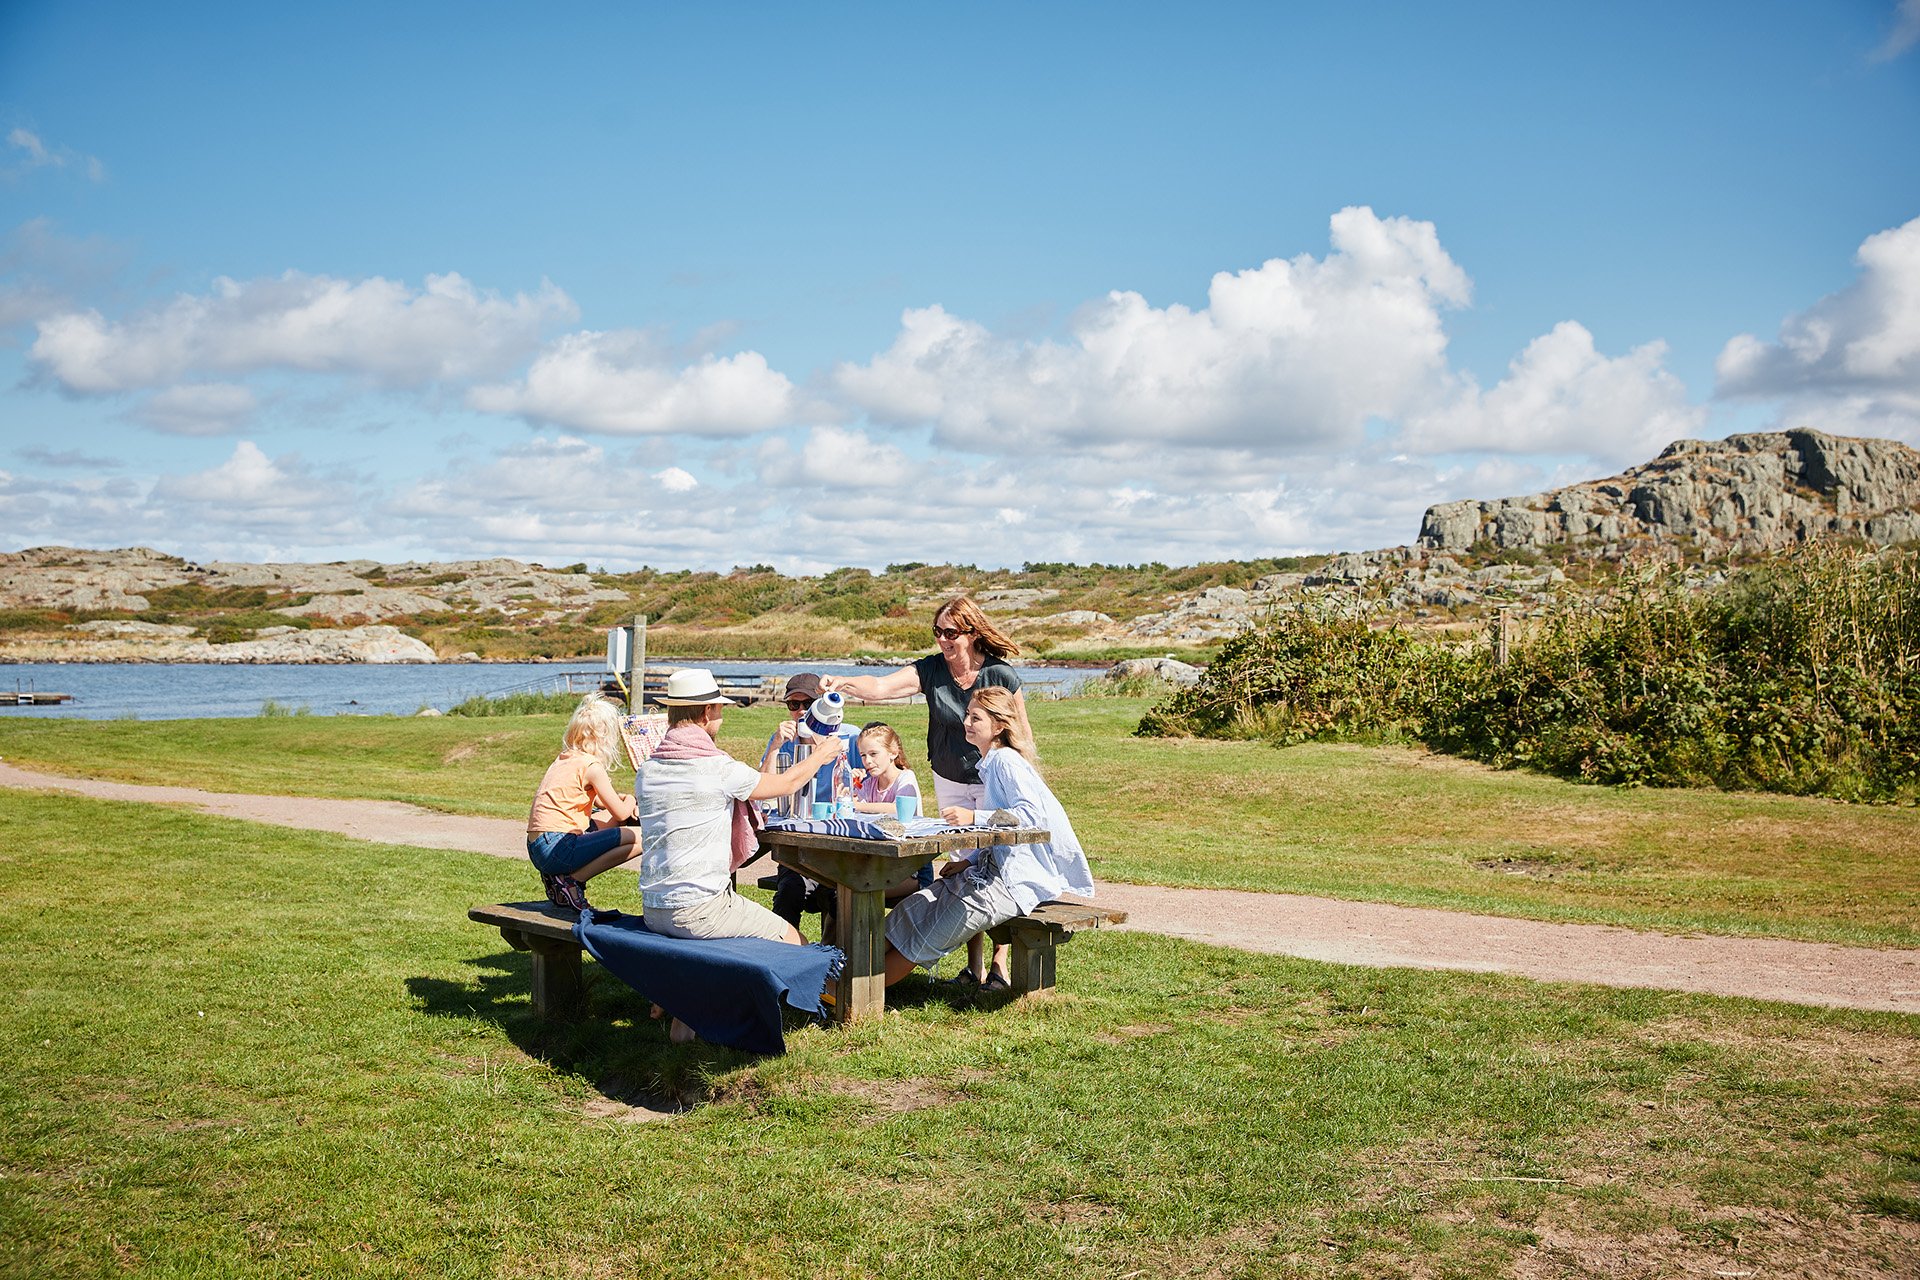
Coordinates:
<point>1306,675</point>
<point>1799,675</point>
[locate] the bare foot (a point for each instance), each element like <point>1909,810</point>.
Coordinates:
<point>681,1033</point>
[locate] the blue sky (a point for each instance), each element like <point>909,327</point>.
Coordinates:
<point>695,286</point>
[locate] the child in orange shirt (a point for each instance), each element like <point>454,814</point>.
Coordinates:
<point>566,845</point>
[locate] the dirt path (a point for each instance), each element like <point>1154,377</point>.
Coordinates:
<point>1284,924</point>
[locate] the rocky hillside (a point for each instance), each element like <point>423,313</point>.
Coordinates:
<point>348,591</point>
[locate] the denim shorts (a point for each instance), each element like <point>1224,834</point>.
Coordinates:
<point>561,853</point>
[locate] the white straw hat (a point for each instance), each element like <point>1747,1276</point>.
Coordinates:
<point>693,687</point>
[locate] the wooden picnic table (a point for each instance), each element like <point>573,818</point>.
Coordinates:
<point>861,872</point>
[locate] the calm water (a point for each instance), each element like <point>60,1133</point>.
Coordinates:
<point>186,691</point>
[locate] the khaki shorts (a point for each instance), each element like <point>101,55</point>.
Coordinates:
<point>725,915</point>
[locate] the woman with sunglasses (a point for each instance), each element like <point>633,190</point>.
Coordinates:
<point>972,655</point>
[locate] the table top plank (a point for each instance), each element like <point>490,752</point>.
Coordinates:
<point>928,846</point>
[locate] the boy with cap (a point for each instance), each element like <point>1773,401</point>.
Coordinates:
<point>795,894</point>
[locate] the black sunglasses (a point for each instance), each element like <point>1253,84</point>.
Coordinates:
<point>951,633</point>
<point>794,704</point>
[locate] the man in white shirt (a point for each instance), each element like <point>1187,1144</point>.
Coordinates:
<point>691,826</point>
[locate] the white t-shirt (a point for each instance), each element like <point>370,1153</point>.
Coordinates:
<point>686,827</point>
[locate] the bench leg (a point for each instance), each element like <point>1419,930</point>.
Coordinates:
<point>1032,959</point>
<point>557,984</point>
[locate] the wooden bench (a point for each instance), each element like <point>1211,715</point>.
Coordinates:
<point>1035,935</point>
<point>546,933</point>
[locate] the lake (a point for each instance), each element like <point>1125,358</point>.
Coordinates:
<point>192,691</point>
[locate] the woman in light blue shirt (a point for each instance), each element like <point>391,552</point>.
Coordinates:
<point>979,890</point>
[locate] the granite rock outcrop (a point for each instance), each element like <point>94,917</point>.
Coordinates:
<point>1750,493</point>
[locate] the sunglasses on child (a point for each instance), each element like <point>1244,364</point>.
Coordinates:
<point>951,633</point>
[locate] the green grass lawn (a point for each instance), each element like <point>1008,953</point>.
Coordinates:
<point>241,1051</point>
<point>1380,824</point>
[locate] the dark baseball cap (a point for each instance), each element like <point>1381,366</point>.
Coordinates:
<point>805,685</point>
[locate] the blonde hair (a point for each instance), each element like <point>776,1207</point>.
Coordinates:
<point>1009,726</point>
<point>889,740</point>
<point>594,730</point>
<point>963,612</point>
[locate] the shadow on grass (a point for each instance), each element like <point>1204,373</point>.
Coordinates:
<point>610,1043</point>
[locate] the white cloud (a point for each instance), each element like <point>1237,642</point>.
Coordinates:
<point>674,480</point>
<point>626,383</point>
<point>36,154</point>
<point>1851,361</point>
<point>1561,395</point>
<point>1293,354</point>
<point>1904,35</point>
<point>374,328</point>
<point>199,409</point>
<point>1864,337</point>
<point>249,479</point>
<point>834,458</point>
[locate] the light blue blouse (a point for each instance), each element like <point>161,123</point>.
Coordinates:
<point>1036,873</point>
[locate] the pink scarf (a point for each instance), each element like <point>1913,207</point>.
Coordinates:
<point>691,742</point>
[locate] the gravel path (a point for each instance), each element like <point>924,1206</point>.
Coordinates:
<point>1327,929</point>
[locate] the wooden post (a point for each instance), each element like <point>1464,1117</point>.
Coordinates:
<point>637,666</point>
<point>1500,639</point>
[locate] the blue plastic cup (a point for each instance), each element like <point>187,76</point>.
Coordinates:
<point>905,807</point>
<point>822,809</point>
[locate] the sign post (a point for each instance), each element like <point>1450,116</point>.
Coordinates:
<point>637,666</point>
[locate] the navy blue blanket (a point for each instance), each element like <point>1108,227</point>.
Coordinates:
<point>729,990</point>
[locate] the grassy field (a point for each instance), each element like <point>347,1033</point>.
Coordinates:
<point>1379,824</point>
<point>234,1052</point>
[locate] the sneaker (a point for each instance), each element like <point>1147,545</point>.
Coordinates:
<point>565,891</point>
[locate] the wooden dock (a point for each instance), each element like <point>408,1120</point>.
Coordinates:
<point>31,698</point>
<point>748,691</point>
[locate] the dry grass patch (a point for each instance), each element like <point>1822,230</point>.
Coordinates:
<point>468,750</point>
